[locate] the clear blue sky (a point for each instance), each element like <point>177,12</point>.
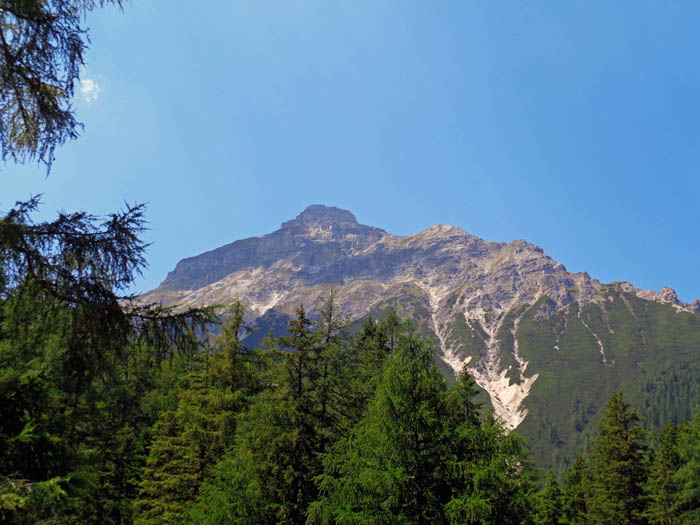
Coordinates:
<point>574,125</point>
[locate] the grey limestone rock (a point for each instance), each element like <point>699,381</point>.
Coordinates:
<point>447,275</point>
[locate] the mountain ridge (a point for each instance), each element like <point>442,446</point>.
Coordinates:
<point>324,223</point>
<point>478,298</point>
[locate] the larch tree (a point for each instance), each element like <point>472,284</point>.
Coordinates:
<point>391,468</point>
<point>69,339</point>
<point>42,44</point>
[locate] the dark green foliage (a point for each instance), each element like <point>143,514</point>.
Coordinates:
<point>173,472</point>
<point>620,485</point>
<point>75,364</point>
<point>575,493</point>
<point>390,468</point>
<point>191,439</point>
<point>112,412</point>
<point>663,486</point>
<point>550,503</point>
<point>187,443</point>
<point>490,476</point>
<point>280,440</point>
<point>672,394</point>
<point>41,53</point>
<point>619,467</point>
<point>688,474</point>
<point>232,495</point>
<point>372,345</point>
<point>424,454</point>
<point>494,481</point>
<point>464,410</point>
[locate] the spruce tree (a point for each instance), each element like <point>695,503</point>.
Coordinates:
<point>491,480</point>
<point>172,474</point>
<point>549,504</point>
<point>575,492</point>
<point>619,466</point>
<point>688,474</point>
<point>333,384</point>
<point>369,353</point>
<point>463,408</point>
<point>494,481</point>
<point>663,486</point>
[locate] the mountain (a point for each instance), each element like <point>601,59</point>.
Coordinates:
<point>548,346</point>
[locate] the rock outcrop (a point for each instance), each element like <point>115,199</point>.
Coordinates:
<point>472,294</point>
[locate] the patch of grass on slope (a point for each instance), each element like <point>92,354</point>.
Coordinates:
<point>643,342</point>
<point>507,343</point>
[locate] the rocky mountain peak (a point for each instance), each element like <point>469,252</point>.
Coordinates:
<point>547,346</point>
<point>317,214</point>
<point>469,293</point>
<point>668,295</point>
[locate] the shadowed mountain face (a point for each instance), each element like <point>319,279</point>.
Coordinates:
<point>548,346</point>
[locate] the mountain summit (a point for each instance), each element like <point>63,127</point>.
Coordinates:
<point>317,214</point>
<point>547,345</point>
<point>333,231</point>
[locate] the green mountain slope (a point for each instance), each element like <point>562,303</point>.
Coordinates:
<point>584,353</point>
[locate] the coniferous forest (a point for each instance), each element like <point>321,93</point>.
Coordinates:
<point>115,411</point>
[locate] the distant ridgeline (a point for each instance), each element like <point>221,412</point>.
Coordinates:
<point>549,347</point>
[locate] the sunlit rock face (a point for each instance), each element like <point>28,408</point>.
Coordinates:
<point>474,296</point>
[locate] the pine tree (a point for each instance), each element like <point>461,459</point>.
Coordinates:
<point>619,465</point>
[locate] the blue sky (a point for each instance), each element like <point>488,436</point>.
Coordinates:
<point>574,125</point>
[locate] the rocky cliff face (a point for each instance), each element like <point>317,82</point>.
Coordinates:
<point>473,295</point>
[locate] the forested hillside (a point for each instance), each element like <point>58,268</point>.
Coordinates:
<point>114,412</point>
<point>387,389</point>
<point>546,346</point>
